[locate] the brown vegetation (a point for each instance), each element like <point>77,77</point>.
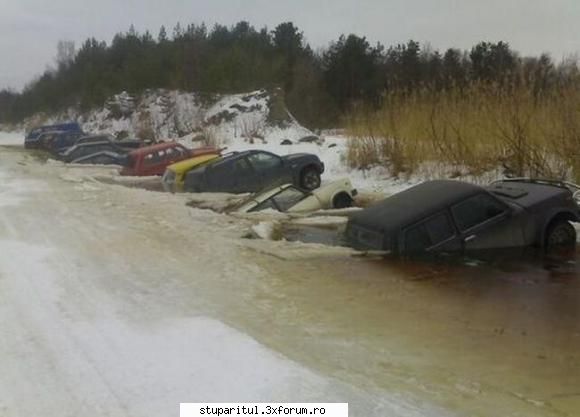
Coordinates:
<point>473,129</point>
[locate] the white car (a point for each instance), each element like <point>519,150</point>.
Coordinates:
<point>288,198</point>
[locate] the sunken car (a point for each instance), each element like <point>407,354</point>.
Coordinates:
<point>174,176</point>
<point>453,216</point>
<point>154,159</point>
<point>31,140</point>
<point>289,198</point>
<point>78,153</point>
<point>254,170</point>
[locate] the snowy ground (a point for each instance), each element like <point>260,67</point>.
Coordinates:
<point>11,138</point>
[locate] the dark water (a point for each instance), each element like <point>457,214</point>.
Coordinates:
<point>558,265</point>
<point>329,235</point>
<point>488,334</point>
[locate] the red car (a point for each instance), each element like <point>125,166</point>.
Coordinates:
<point>152,160</point>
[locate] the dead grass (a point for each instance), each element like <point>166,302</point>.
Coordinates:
<point>473,130</point>
<point>210,137</point>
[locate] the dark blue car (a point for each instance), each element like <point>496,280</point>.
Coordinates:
<point>251,171</point>
<point>31,139</point>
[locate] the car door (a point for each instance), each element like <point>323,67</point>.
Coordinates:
<point>487,223</point>
<point>150,162</point>
<point>437,233</point>
<point>270,169</point>
<point>220,177</point>
<point>245,178</point>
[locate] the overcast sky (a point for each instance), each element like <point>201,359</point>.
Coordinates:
<point>30,29</point>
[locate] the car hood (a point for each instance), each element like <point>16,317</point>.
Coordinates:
<point>528,195</point>
<point>295,156</point>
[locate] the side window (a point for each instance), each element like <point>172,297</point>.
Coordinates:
<point>241,167</point>
<point>180,151</point>
<point>151,158</point>
<point>169,153</point>
<point>417,239</point>
<point>100,148</point>
<point>428,233</point>
<point>220,169</point>
<point>439,228</point>
<point>476,210</point>
<point>262,161</point>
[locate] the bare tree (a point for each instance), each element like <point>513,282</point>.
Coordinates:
<point>65,53</point>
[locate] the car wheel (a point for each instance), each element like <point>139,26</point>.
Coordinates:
<point>560,234</point>
<point>342,200</point>
<point>310,179</point>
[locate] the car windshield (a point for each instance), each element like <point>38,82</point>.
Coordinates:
<point>288,198</point>
<point>168,177</point>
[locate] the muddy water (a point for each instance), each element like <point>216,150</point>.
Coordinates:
<point>480,338</point>
<point>495,334</point>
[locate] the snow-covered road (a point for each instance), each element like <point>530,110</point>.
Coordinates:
<point>110,307</point>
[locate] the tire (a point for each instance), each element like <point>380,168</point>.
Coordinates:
<point>560,234</point>
<point>310,179</point>
<point>341,201</point>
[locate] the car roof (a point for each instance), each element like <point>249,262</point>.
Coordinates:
<point>414,204</point>
<point>108,153</point>
<point>188,164</point>
<point>52,132</point>
<point>88,145</point>
<point>239,154</point>
<point>95,143</point>
<point>152,148</point>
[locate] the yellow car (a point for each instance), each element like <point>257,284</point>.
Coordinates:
<point>174,176</point>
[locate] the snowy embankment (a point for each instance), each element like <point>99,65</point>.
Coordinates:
<point>11,138</point>
<point>254,120</point>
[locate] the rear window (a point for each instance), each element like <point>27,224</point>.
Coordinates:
<point>152,158</point>
<point>222,167</point>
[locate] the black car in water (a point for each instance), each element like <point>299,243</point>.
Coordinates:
<point>252,171</point>
<point>454,216</point>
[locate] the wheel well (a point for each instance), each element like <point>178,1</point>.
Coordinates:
<point>341,194</point>
<point>309,166</point>
<point>563,216</point>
